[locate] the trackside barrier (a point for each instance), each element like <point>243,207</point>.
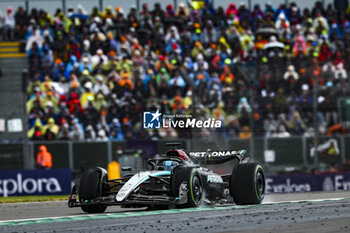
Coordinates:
<point>35,182</point>
<point>308,182</point>
<point>289,154</point>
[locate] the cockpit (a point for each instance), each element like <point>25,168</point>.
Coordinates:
<point>170,160</point>
<point>169,165</point>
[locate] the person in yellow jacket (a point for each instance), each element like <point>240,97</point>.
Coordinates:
<point>51,126</point>
<point>223,45</point>
<point>188,99</point>
<point>197,4</point>
<point>108,13</point>
<point>88,95</point>
<point>35,131</point>
<point>35,101</point>
<point>65,21</point>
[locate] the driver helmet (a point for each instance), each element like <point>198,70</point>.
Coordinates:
<point>169,165</point>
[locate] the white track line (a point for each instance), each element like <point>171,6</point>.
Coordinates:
<point>32,202</point>
<point>305,200</point>
<point>111,214</point>
<point>68,216</point>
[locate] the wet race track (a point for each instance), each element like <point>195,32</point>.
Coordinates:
<point>308,212</point>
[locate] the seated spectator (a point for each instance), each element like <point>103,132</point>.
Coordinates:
<point>99,57</point>
<point>90,134</point>
<point>21,19</point>
<point>226,75</point>
<point>35,133</point>
<point>100,86</point>
<point>100,102</point>
<point>50,130</point>
<point>88,95</point>
<point>9,25</point>
<point>1,25</point>
<point>177,82</point>
<point>34,38</point>
<point>291,73</point>
<point>282,132</point>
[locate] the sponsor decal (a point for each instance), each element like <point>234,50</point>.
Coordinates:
<point>35,182</point>
<point>155,120</point>
<point>340,183</point>
<point>308,182</point>
<point>135,181</point>
<point>286,187</point>
<point>29,185</point>
<point>214,179</point>
<point>328,184</point>
<point>224,153</point>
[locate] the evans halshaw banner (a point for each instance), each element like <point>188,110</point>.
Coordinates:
<point>35,182</point>
<point>308,182</point>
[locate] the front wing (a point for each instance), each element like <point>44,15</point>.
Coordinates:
<point>133,199</point>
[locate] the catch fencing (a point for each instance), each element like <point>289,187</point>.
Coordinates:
<point>276,154</point>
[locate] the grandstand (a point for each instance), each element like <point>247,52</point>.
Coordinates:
<point>271,70</point>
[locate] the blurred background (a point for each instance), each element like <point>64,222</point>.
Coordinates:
<point>76,76</point>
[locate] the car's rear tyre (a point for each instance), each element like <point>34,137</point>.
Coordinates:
<point>91,187</point>
<point>247,184</point>
<point>194,185</point>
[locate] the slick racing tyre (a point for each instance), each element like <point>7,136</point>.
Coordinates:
<point>194,185</point>
<point>91,187</point>
<point>247,184</point>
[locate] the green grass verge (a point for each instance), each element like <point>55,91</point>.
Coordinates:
<point>33,198</point>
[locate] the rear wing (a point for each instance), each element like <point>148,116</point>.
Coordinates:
<point>217,156</point>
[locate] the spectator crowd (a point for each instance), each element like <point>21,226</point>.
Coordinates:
<point>92,74</point>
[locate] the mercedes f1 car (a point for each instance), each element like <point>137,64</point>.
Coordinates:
<point>176,179</point>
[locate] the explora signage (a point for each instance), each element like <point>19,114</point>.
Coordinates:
<point>35,182</point>
<point>308,182</point>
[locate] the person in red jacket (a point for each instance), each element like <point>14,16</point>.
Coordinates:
<point>43,158</point>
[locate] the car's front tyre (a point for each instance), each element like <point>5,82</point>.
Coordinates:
<point>190,176</point>
<point>91,186</point>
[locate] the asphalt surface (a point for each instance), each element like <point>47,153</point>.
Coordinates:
<point>306,212</point>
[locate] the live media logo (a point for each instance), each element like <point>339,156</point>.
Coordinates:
<point>151,120</point>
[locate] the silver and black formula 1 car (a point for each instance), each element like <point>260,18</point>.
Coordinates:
<point>175,179</point>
